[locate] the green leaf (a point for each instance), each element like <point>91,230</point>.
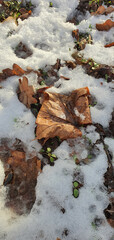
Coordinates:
<point>53,155</point>
<point>48,150</point>
<point>93,225</point>
<point>75,184</point>
<point>74,157</point>
<point>15,120</point>
<point>50,4</point>
<point>51,159</point>
<point>106,77</point>
<point>84,60</point>
<point>75,193</point>
<point>42,150</point>
<point>42,82</point>
<point>90,2</point>
<point>89,156</point>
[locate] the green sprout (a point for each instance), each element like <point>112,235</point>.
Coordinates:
<point>75,184</point>
<point>42,83</point>
<point>48,150</point>
<point>75,193</point>
<point>83,60</point>
<point>106,77</point>
<point>15,120</point>
<point>90,27</point>
<point>89,156</point>
<point>51,159</point>
<point>74,157</point>
<point>93,225</point>
<point>50,4</point>
<point>42,150</point>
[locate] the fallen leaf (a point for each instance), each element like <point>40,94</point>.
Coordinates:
<point>26,93</point>
<point>60,115</point>
<point>57,65</point>
<point>71,64</point>
<point>100,10</point>
<point>24,16</point>
<point>109,45</point>
<point>18,71</point>
<point>21,173</point>
<point>10,18</point>
<point>75,34</point>
<point>109,10</point>
<point>107,25</point>
<point>103,10</point>
<point>65,78</point>
<point>23,10</point>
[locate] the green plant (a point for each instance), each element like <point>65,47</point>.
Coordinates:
<point>94,1</point>
<point>15,120</point>
<point>93,225</point>
<point>42,150</point>
<point>50,4</point>
<point>106,77</point>
<point>89,156</point>
<point>47,153</point>
<point>42,83</point>
<point>74,157</point>
<point>75,184</point>
<point>83,60</point>
<point>48,150</point>
<point>75,193</point>
<point>90,27</point>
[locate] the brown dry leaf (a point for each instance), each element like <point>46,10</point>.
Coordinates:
<point>26,93</point>
<point>109,45</point>
<point>75,34</point>
<point>60,115</point>
<point>109,10</point>
<point>107,25</point>
<point>18,71</point>
<point>25,15</point>
<point>10,18</point>
<point>71,64</point>
<point>103,10</point>
<point>65,78</point>
<point>100,10</point>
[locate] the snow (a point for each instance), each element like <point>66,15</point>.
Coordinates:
<point>48,35</point>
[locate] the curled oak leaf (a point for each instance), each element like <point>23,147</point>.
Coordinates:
<point>26,93</point>
<point>60,115</point>
<point>107,25</point>
<point>109,45</point>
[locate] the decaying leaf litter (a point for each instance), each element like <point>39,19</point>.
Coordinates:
<point>78,159</point>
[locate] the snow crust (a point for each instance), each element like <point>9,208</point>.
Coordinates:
<point>48,35</point>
